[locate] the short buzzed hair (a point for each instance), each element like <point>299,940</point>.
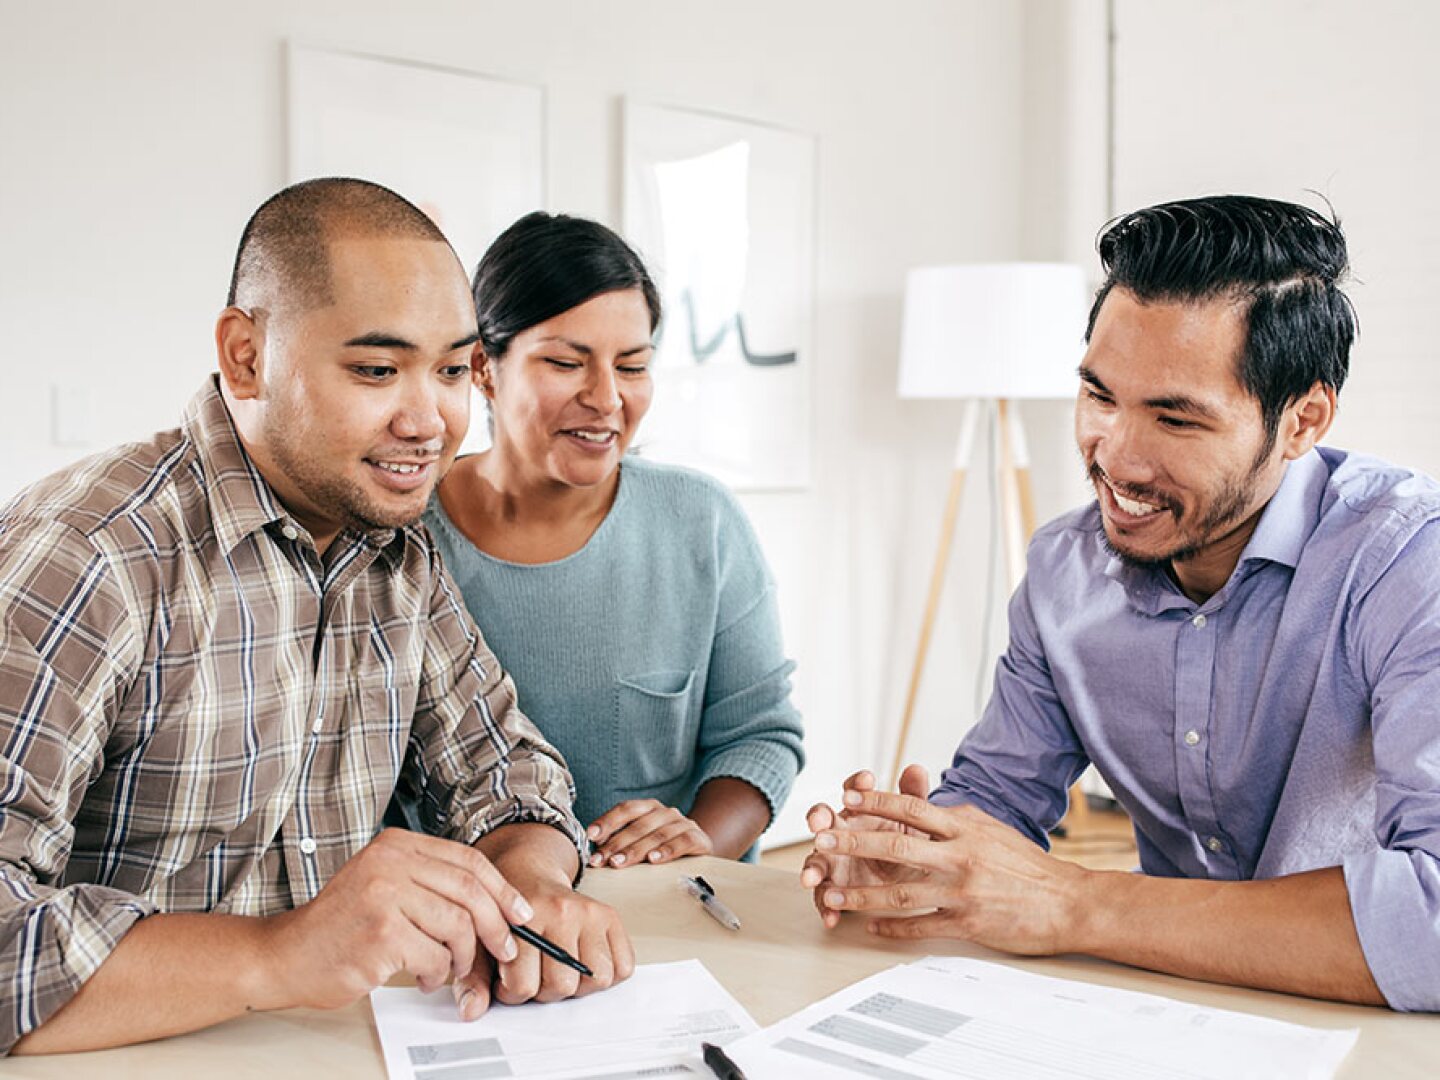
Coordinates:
<point>286,241</point>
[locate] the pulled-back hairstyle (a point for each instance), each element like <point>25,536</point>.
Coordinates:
<point>546,264</point>
<point>285,244</point>
<point>1281,262</point>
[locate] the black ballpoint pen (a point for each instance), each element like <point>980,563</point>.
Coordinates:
<point>720,1063</point>
<point>549,948</point>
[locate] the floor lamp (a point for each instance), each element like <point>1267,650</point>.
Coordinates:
<point>988,334</point>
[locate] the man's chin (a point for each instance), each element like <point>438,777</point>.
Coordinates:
<point>389,513</point>
<point>1148,558</point>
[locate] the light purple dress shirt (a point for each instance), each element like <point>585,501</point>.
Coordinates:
<point>1288,723</point>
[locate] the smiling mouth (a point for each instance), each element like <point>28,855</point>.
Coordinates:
<point>1127,504</point>
<point>599,438</point>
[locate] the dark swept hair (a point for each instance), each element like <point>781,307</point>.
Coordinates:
<point>1282,262</point>
<point>286,241</point>
<point>546,264</point>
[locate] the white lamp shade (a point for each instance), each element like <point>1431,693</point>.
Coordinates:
<point>993,330</point>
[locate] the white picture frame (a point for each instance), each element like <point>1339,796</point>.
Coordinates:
<point>466,148</point>
<point>723,211</point>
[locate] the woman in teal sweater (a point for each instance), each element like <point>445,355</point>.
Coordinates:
<point>629,600</point>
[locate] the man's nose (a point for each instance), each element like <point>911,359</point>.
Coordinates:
<point>1122,448</point>
<point>419,417</point>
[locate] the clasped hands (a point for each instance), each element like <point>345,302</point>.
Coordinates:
<point>949,872</point>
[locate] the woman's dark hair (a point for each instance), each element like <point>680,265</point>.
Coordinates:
<point>1282,261</point>
<point>546,264</point>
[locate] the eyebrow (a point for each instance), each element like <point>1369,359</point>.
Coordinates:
<point>1181,403</point>
<point>378,339</point>
<point>586,350</point>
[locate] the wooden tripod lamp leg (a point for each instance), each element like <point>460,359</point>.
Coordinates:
<point>937,580</point>
<point>1015,463</point>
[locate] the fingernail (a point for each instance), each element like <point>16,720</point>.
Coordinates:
<point>463,1001</point>
<point>596,859</point>
<point>657,855</point>
<point>523,911</point>
<point>834,898</point>
<point>593,831</point>
<point>852,798</point>
<point>618,860</point>
<point>825,841</point>
<point>509,950</point>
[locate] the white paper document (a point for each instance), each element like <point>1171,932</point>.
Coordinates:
<point>951,1017</point>
<point>650,1026</point>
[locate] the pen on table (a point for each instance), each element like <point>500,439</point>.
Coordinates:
<point>720,1063</point>
<point>703,891</point>
<point>549,948</point>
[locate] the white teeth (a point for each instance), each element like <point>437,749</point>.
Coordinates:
<point>592,436</point>
<point>395,467</point>
<point>1131,506</point>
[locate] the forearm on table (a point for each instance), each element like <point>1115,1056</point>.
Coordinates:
<point>733,814</point>
<point>1294,934</point>
<point>530,852</point>
<point>168,975</point>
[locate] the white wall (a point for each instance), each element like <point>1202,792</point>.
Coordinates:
<point>138,137</point>
<point>1290,96</point>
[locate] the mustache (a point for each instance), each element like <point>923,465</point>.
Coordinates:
<point>410,453</point>
<point>1137,492</point>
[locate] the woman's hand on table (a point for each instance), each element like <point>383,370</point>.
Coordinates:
<point>645,831</point>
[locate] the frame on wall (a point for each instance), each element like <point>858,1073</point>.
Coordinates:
<point>723,210</point>
<point>467,149</point>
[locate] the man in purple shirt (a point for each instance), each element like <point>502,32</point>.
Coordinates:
<point>1242,634</point>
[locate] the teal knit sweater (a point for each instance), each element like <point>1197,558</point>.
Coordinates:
<point>651,657</point>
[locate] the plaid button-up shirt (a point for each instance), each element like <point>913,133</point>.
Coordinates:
<point>199,713</point>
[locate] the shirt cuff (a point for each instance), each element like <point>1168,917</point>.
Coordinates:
<point>52,944</point>
<point>1395,901</point>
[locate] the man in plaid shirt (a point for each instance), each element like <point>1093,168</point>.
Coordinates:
<point>222,649</point>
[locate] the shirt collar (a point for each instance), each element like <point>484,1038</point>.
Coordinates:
<point>1291,514</point>
<point>1280,536</point>
<point>242,502</point>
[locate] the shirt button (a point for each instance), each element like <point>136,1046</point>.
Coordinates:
<point>1192,738</point>
<point>1198,622</point>
<point>1211,842</point>
<point>289,531</point>
<point>307,845</point>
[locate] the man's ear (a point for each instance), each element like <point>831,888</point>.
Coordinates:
<point>1307,419</point>
<point>482,373</point>
<point>239,343</point>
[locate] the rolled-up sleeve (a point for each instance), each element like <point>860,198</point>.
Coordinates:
<point>477,762</point>
<point>66,650</point>
<point>1395,889</point>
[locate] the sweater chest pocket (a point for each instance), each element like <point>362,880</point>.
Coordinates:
<point>658,719</point>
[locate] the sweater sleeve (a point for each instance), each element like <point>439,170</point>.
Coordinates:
<point>749,728</point>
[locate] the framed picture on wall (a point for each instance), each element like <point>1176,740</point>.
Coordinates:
<point>723,210</point>
<point>467,149</point>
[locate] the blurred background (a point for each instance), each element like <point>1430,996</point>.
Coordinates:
<point>136,138</point>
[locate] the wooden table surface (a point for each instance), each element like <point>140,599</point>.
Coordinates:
<point>781,960</point>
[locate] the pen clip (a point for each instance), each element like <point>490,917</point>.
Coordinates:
<point>705,886</point>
